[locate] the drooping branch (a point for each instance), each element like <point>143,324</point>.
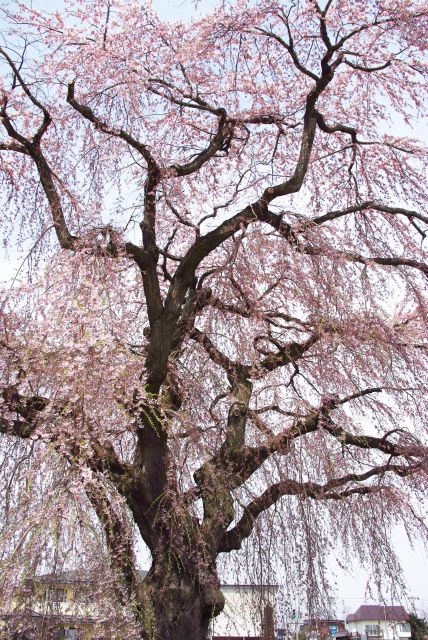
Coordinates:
<point>238,465</point>
<point>358,394</point>
<point>118,537</point>
<point>286,354</point>
<point>65,238</point>
<point>233,538</point>
<point>369,205</point>
<point>11,146</point>
<point>215,354</point>
<point>290,48</point>
<point>32,148</point>
<point>258,210</point>
<point>148,225</point>
<point>27,415</point>
<point>48,179</point>
<point>373,442</point>
<point>46,119</point>
<point>392,261</point>
<point>99,124</point>
<point>360,67</point>
<point>220,141</point>
<point>189,99</point>
<point>247,312</point>
<point>336,128</point>
<point>100,458</point>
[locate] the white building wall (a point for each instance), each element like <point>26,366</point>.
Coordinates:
<point>243,611</point>
<point>390,630</point>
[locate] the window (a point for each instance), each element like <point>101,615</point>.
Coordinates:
<point>374,630</point>
<point>85,597</point>
<point>67,634</point>
<point>56,595</point>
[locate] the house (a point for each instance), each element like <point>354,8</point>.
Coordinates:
<point>59,605</point>
<point>65,606</point>
<point>379,622</point>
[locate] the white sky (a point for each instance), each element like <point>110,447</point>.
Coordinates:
<point>350,587</point>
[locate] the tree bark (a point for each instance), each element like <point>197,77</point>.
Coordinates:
<point>176,605</point>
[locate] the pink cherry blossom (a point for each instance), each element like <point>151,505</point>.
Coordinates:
<point>215,346</point>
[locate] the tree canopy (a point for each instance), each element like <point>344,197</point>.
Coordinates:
<point>216,344</point>
<point>418,626</point>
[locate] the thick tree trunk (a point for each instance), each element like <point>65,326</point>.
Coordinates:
<point>176,606</point>
<point>180,617</point>
<point>181,593</point>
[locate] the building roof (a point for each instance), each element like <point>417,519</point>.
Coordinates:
<point>322,622</point>
<point>65,577</point>
<point>258,587</point>
<point>74,576</point>
<point>53,617</point>
<point>378,612</point>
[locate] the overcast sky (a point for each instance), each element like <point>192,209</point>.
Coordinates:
<point>350,588</point>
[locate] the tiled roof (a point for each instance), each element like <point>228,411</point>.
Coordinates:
<point>378,612</point>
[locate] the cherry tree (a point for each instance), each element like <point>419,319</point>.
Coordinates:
<point>216,341</point>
